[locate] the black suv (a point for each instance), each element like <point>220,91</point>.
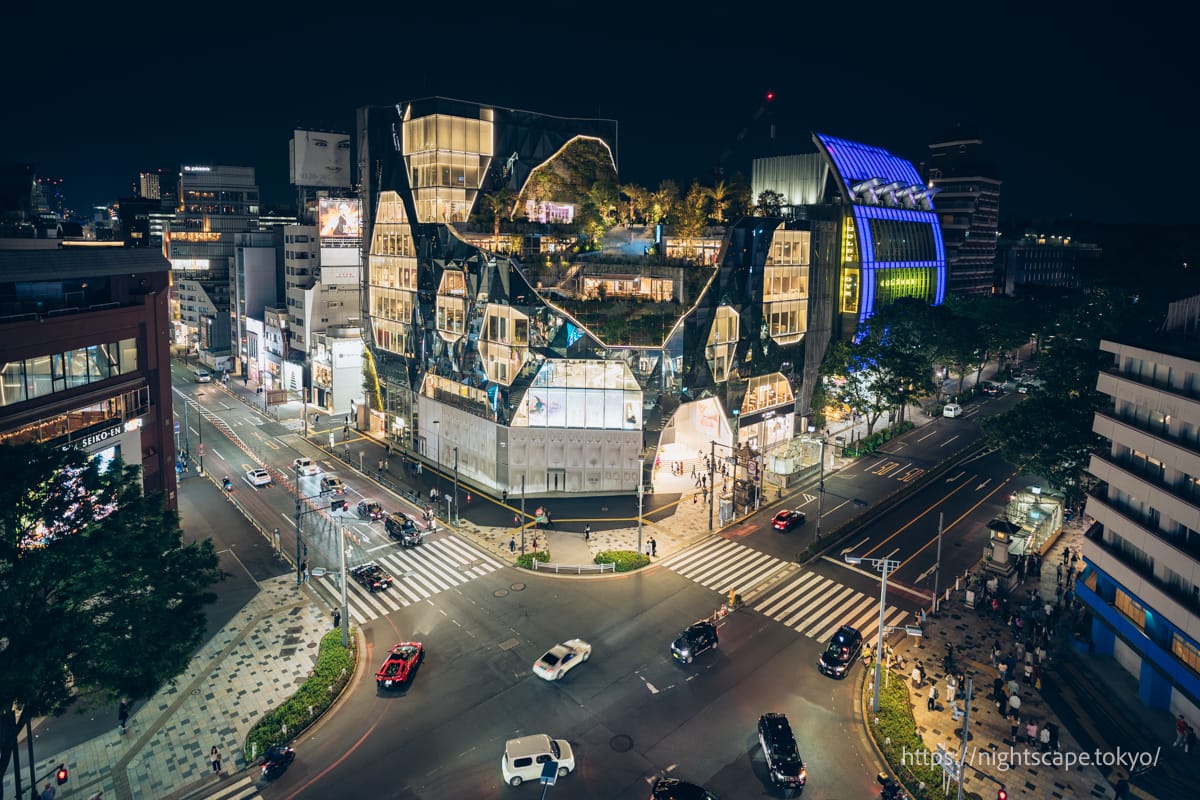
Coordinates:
<point>695,640</point>
<point>843,648</point>
<point>779,748</point>
<point>372,578</point>
<point>369,510</point>
<point>675,789</point>
<point>402,529</point>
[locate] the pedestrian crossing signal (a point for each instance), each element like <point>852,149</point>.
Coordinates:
<point>61,774</point>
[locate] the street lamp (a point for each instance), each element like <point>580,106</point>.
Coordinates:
<point>820,482</point>
<point>438,472</point>
<point>456,520</point>
<point>641,489</point>
<point>883,566</point>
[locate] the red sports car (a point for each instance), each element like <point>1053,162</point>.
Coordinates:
<point>787,519</point>
<point>398,668</point>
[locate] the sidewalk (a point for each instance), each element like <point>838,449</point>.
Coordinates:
<point>994,759</point>
<point>251,666</point>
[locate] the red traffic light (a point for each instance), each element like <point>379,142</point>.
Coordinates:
<point>1001,794</point>
<point>61,774</point>
<point>770,96</point>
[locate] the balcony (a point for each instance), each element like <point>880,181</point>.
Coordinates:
<point>1130,423</point>
<point>1187,598</point>
<point>1187,543</point>
<point>1161,384</point>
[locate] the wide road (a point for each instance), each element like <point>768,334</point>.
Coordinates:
<point>630,713</point>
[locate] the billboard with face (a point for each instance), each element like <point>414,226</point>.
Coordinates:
<point>340,218</point>
<point>320,159</point>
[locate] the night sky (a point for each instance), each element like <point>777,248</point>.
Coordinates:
<point>1083,115</point>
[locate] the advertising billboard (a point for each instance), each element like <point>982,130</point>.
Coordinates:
<point>339,218</point>
<point>320,159</point>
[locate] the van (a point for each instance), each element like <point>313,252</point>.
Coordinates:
<point>202,375</point>
<point>523,758</point>
<point>952,410</point>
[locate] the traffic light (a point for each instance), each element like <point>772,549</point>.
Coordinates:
<point>1001,794</point>
<point>61,774</point>
<point>770,95</point>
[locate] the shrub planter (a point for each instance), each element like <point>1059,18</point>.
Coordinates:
<point>525,560</point>
<point>622,560</point>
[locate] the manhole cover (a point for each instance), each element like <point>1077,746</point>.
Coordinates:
<point>621,743</point>
<point>517,587</point>
<point>500,593</point>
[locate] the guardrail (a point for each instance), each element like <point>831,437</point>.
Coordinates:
<point>577,569</point>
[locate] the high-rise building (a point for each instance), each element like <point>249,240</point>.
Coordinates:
<point>215,204</point>
<point>84,353</point>
<point>1038,259</point>
<point>1141,580</point>
<point>968,206</point>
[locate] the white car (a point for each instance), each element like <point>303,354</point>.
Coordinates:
<point>305,466</point>
<point>258,477</point>
<point>559,660</point>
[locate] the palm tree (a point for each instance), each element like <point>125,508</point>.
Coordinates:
<point>720,196</point>
<point>499,202</point>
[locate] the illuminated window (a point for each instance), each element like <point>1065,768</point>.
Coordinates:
<point>503,342</point>
<point>722,343</point>
<point>1131,609</point>
<point>1187,653</point>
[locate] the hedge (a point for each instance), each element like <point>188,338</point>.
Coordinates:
<point>622,560</point>
<point>333,670</point>
<point>896,734</point>
<point>525,560</point>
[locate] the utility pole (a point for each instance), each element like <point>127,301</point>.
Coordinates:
<point>522,520</point>
<point>712,489</point>
<point>299,535</point>
<point>641,488</point>
<point>821,488</point>
<point>962,751</point>
<point>937,567</point>
<point>200,433</point>
<point>345,610</point>
<point>456,519</point>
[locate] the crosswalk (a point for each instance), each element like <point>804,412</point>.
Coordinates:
<point>440,563</point>
<point>243,789</point>
<point>816,607</point>
<point>808,603</point>
<point>722,565</point>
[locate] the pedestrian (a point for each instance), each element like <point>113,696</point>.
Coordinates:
<point>1044,737</point>
<point>997,688</point>
<point>921,669</point>
<point>516,521</point>
<point>1031,732</point>
<point>304,570</point>
<point>951,689</point>
<point>380,466</point>
<point>123,714</point>
<point>916,677</point>
<point>996,654</point>
<point>468,498</point>
<point>587,533</point>
<point>535,544</point>
<point>48,793</point>
<point>1014,724</point>
<point>1014,703</point>
<point>653,546</point>
<point>433,495</point>
<point>1028,674</point>
<point>512,545</point>
<point>931,704</point>
<point>214,756</point>
<point>504,496</point>
<point>1189,740</point>
<point>1121,791</point>
<point>1013,686</point>
<point>1181,728</point>
<point>1058,574</point>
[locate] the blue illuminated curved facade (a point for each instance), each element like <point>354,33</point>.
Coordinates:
<point>891,239</point>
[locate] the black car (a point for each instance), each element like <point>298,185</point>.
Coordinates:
<point>369,510</point>
<point>843,648</point>
<point>675,789</point>
<point>779,748</point>
<point>695,640</point>
<point>371,577</point>
<point>402,529</point>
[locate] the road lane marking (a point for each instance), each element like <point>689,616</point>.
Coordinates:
<point>926,436</point>
<point>854,547</point>
<point>948,441</point>
<point>985,483</point>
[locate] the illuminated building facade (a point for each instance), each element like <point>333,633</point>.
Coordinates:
<point>1141,579</point>
<point>84,353</point>
<point>560,377</point>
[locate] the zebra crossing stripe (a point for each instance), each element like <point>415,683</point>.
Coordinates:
<point>781,598</point>
<point>835,613</point>
<point>244,789</point>
<point>705,552</point>
<point>436,571</point>
<point>472,554</point>
<point>798,608</point>
<point>723,575</point>
<point>852,612</point>
<point>892,617</point>
<point>815,610</point>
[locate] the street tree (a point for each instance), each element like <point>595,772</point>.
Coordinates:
<point>99,596</point>
<point>855,377</point>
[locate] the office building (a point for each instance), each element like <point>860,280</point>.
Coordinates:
<point>968,207</point>
<point>1047,260</point>
<point>84,352</point>
<point>1141,580</point>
